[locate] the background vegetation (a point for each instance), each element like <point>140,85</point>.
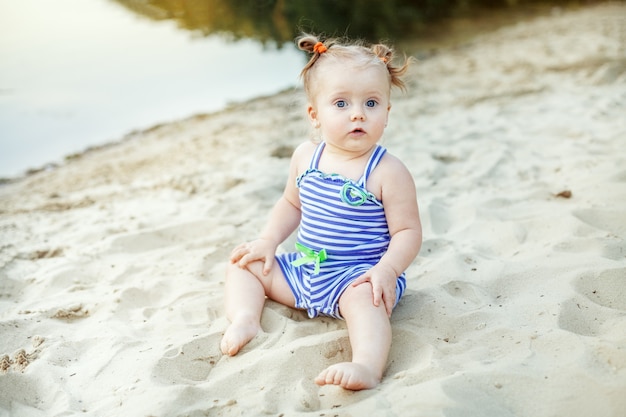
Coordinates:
<point>279,21</point>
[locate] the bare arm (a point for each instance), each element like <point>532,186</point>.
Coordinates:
<point>402,213</point>
<point>403,219</point>
<point>284,218</point>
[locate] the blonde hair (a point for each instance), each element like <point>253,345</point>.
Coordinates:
<point>357,51</point>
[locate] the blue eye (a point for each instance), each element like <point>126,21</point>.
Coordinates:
<point>341,104</point>
<point>371,103</point>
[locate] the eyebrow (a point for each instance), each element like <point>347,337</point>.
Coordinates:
<point>367,93</point>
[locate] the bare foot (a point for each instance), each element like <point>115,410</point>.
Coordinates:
<point>349,375</point>
<point>237,336</point>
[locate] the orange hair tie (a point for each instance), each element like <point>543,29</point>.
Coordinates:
<point>384,59</point>
<point>320,48</point>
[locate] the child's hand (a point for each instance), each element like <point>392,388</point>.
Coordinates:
<point>258,250</point>
<point>383,280</point>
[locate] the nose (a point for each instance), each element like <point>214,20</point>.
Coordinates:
<point>357,115</point>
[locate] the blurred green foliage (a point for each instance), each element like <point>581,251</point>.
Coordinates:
<point>279,21</point>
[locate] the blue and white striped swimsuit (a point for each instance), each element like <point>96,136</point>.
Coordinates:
<point>343,233</point>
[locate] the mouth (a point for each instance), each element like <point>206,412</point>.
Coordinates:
<point>357,131</point>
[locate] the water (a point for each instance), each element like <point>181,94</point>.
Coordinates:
<point>79,73</point>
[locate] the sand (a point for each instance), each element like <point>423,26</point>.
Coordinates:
<point>112,265</point>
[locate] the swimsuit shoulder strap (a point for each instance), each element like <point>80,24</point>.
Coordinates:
<point>315,160</point>
<point>373,161</point>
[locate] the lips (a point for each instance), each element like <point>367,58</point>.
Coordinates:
<point>357,131</point>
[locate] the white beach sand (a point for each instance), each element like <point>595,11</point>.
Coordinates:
<point>111,266</point>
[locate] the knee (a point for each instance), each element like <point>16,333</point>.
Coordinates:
<point>358,303</point>
<point>232,269</point>
<point>360,295</point>
<point>234,272</point>
<point>253,270</point>
<point>362,290</point>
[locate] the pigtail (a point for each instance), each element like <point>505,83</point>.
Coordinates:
<point>313,45</point>
<point>385,54</point>
<point>307,42</point>
<point>346,49</point>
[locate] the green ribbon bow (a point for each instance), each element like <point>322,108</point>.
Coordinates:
<point>308,256</point>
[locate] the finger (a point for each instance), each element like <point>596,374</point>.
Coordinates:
<point>235,257</point>
<point>239,247</point>
<point>377,295</point>
<point>389,302</point>
<point>361,280</point>
<point>267,266</point>
<point>245,260</point>
<point>388,307</point>
<point>240,256</point>
<point>238,252</point>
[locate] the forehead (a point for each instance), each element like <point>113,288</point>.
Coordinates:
<point>342,74</point>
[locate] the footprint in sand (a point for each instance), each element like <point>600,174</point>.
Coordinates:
<point>580,316</point>
<point>299,396</point>
<point>612,221</point>
<point>467,292</point>
<point>192,362</point>
<point>607,289</point>
<point>446,219</point>
<point>599,310</point>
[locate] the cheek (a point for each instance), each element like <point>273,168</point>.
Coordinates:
<point>329,117</point>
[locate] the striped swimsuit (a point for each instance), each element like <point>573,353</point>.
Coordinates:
<point>343,233</point>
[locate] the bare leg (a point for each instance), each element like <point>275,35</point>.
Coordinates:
<point>369,330</point>
<point>244,300</point>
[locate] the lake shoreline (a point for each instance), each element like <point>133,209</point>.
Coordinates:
<point>445,36</point>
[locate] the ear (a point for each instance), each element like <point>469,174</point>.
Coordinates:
<point>312,113</point>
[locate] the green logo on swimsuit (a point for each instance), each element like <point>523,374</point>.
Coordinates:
<point>309,255</point>
<point>353,195</point>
